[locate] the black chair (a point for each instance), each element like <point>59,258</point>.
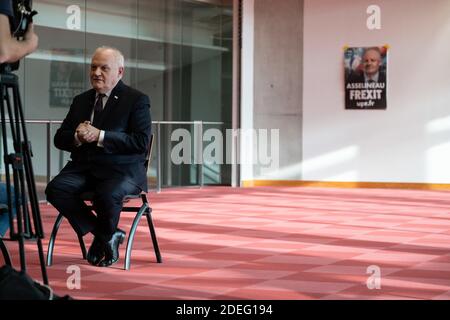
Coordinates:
<point>144,209</point>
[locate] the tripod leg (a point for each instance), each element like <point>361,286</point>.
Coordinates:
<point>42,261</point>
<point>29,174</point>
<point>15,161</point>
<point>35,209</point>
<point>5,253</point>
<point>29,225</point>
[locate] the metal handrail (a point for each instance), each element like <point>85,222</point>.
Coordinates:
<point>198,124</point>
<point>44,121</point>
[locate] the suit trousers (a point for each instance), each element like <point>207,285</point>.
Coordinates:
<point>64,192</point>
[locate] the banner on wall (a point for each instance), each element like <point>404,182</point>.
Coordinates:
<point>365,77</point>
<point>66,77</point>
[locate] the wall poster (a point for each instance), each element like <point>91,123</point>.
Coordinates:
<point>365,77</point>
<point>66,77</point>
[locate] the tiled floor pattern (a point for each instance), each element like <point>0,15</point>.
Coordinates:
<point>272,243</point>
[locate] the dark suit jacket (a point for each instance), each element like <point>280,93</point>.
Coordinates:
<point>127,124</point>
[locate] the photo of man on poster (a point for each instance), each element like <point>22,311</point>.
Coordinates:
<point>365,78</point>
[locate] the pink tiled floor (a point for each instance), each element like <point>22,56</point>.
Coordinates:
<point>272,243</point>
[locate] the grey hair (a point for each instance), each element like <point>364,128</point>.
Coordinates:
<point>118,56</point>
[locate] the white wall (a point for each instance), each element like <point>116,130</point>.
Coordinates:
<point>246,145</point>
<point>272,89</point>
<point>408,142</point>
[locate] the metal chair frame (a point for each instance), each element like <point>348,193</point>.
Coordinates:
<point>144,209</point>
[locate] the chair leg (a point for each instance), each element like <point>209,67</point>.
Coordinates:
<point>5,253</point>
<point>130,241</point>
<point>151,227</point>
<point>82,246</point>
<point>51,243</point>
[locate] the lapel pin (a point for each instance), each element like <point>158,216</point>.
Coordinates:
<point>116,97</point>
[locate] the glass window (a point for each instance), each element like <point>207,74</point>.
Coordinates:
<point>178,52</point>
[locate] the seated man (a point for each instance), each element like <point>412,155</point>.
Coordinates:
<point>107,131</point>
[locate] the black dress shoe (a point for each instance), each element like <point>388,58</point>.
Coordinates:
<point>112,249</point>
<point>96,252</point>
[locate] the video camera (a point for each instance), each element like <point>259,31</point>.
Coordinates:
<point>23,16</point>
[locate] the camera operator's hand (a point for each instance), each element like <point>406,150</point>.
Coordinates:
<point>11,49</point>
<point>31,38</point>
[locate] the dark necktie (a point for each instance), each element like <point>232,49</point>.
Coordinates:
<point>98,108</point>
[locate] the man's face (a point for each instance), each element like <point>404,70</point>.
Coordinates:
<point>105,71</point>
<point>371,62</point>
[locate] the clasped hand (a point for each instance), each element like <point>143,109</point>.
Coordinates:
<point>86,133</point>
